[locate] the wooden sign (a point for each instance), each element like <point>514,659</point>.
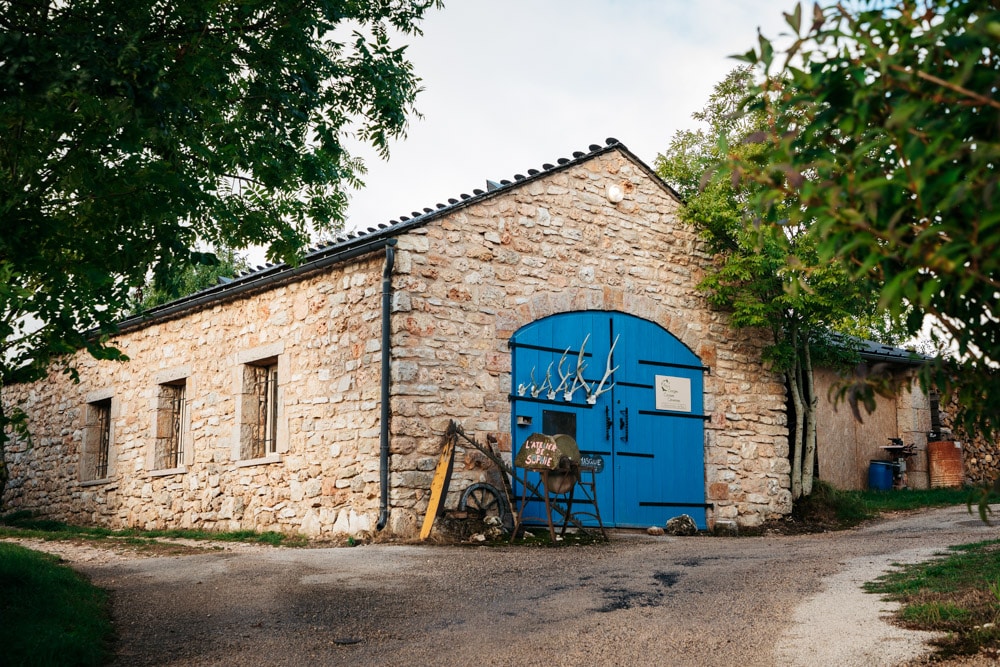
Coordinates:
<point>544,452</point>
<point>539,451</point>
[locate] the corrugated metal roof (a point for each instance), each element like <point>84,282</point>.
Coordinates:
<point>873,351</point>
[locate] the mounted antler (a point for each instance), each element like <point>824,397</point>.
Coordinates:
<point>545,383</point>
<point>523,389</point>
<point>564,378</point>
<point>592,397</point>
<point>578,381</point>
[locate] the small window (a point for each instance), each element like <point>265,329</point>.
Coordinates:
<point>97,441</point>
<point>171,417</point>
<point>259,423</point>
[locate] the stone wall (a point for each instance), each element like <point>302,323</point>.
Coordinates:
<point>463,284</point>
<point>325,331</point>
<point>559,244</point>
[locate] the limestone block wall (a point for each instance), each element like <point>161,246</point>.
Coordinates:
<point>558,244</point>
<point>463,284</point>
<point>323,479</point>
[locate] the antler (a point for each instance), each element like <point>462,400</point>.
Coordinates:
<point>564,377</point>
<point>523,389</point>
<point>547,382</point>
<point>578,381</point>
<point>592,397</point>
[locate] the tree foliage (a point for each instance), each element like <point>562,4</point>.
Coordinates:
<point>769,277</point>
<point>130,130</point>
<point>883,123</point>
<point>133,130</point>
<point>220,265</point>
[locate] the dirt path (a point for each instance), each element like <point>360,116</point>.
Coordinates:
<point>792,600</point>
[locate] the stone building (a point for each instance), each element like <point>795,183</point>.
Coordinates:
<point>312,399</point>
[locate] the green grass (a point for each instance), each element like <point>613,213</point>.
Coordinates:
<point>832,509</point>
<point>51,615</point>
<point>911,499</point>
<point>24,524</point>
<point>958,593</point>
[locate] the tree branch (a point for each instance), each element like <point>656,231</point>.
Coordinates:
<point>982,99</point>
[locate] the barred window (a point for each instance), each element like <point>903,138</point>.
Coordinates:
<point>97,441</point>
<point>171,417</point>
<point>259,423</point>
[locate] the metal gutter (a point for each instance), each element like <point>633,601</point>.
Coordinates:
<point>383,458</point>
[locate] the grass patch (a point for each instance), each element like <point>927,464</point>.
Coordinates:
<point>51,615</point>
<point>24,524</point>
<point>958,593</point>
<point>911,499</point>
<point>828,508</point>
<point>538,536</point>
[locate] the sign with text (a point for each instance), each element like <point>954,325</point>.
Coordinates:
<point>544,452</point>
<point>592,461</point>
<point>673,393</point>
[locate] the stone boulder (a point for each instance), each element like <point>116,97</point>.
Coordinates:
<point>682,525</point>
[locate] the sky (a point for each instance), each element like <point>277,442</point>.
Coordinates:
<point>512,84</point>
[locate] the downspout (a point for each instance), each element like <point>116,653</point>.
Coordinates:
<point>383,459</point>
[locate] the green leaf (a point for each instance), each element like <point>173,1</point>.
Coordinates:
<point>795,18</point>
<point>134,134</point>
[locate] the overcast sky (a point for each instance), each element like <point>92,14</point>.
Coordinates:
<point>512,84</point>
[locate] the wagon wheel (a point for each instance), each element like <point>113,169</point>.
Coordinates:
<point>483,500</point>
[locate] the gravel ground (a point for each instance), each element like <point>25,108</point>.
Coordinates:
<point>793,600</point>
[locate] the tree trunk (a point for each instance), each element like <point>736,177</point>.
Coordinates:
<point>795,442</point>
<point>809,455</point>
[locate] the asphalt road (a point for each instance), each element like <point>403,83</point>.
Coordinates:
<point>636,601</point>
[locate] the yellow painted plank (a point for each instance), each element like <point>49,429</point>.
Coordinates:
<point>438,486</point>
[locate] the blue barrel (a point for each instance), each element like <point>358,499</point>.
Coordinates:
<point>880,475</point>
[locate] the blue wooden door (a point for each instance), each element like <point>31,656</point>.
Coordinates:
<point>648,430</point>
<point>537,351</point>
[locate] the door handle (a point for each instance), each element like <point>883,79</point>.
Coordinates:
<point>623,424</point>
<point>608,422</point>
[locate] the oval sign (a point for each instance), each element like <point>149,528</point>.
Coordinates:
<point>595,461</point>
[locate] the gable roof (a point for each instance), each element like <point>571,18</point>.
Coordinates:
<point>353,244</point>
<point>872,351</point>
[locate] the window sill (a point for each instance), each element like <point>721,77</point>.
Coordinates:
<point>270,458</point>
<point>167,471</point>
<point>96,482</point>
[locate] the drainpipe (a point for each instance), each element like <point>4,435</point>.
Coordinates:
<point>383,459</point>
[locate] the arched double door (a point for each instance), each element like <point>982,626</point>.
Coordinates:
<point>645,431</point>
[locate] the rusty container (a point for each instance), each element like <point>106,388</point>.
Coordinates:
<point>944,462</point>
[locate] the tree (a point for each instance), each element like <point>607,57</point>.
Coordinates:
<point>131,130</point>
<point>768,277</point>
<point>220,265</point>
<point>882,123</point>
